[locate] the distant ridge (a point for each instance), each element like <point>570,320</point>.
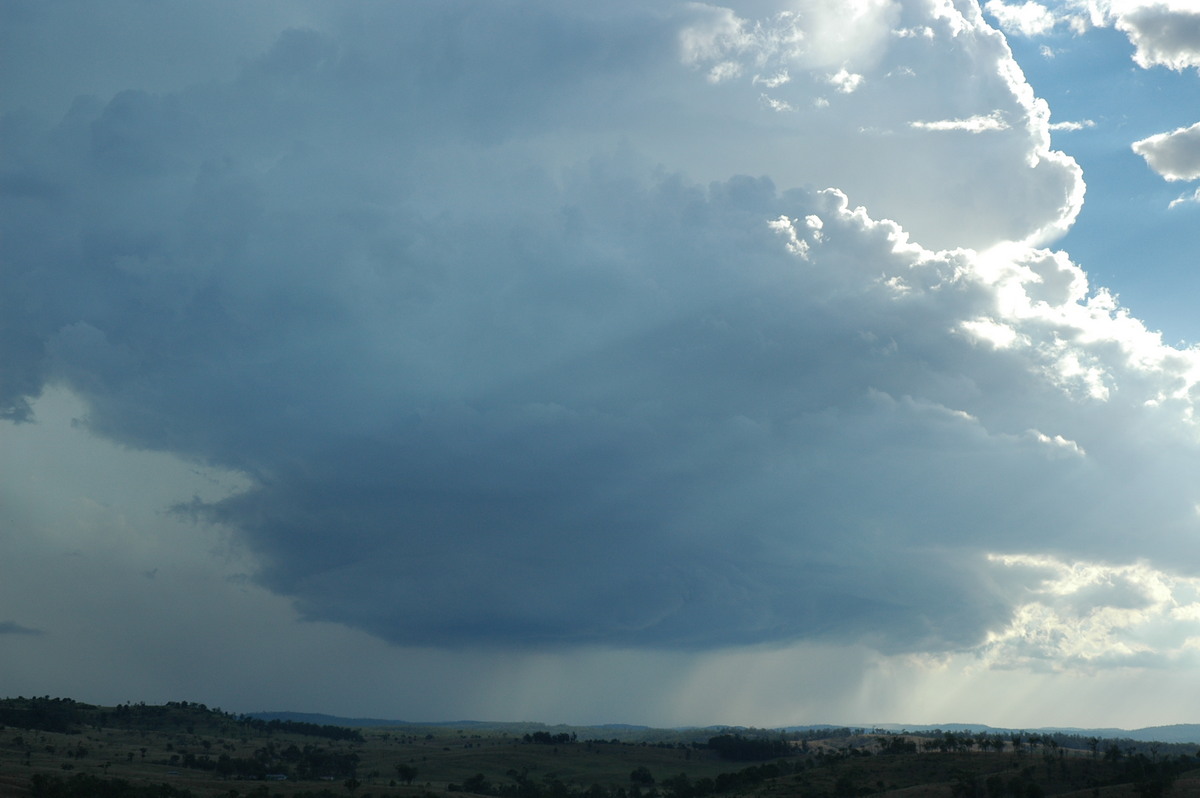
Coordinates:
<point>334,720</point>
<point>1176,733</point>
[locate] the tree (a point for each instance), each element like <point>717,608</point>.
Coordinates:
<point>679,786</point>
<point>406,772</point>
<point>478,784</point>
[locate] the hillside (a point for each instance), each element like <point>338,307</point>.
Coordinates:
<point>1184,733</point>
<point>58,748</point>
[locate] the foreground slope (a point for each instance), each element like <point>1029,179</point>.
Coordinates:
<point>58,748</point>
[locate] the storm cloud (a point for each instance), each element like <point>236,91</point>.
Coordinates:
<point>517,348</point>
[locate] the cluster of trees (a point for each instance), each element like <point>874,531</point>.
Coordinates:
<point>546,738</point>
<point>682,786</point>
<point>86,786</point>
<point>737,748</point>
<point>406,772</point>
<point>522,786</point>
<point>309,762</point>
<point>83,785</point>
<point>642,784</point>
<point>302,727</point>
<point>896,745</point>
<point>59,715</point>
<point>1020,785</point>
<point>1021,742</point>
<point>1150,779</point>
<point>1153,777</point>
<point>173,716</point>
<point>551,787</point>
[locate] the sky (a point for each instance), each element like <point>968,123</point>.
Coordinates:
<point>664,363</point>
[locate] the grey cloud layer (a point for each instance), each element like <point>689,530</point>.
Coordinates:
<point>501,376</point>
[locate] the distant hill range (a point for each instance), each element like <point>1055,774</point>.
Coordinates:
<point>335,720</point>
<point>1178,733</point>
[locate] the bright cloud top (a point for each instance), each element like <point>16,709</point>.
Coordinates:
<point>564,349</point>
<point>884,76</point>
<point>1027,19</point>
<point>1163,32</point>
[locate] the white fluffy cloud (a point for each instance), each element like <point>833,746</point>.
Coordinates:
<point>1072,126</point>
<point>889,80</point>
<point>1174,155</point>
<point>1091,615</point>
<point>1165,32</point>
<point>1027,19</point>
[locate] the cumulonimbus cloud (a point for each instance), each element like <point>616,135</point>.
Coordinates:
<point>512,354</point>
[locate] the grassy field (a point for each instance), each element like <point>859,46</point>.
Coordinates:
<point>180,750</point>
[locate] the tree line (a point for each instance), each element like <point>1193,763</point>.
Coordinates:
<point>309,762</point>
<point>749,749</point>
<point>66,716</point>
<point>83,785</point>
<point>642,784</point>
<point>546,738</point>
<point>302,727</point>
